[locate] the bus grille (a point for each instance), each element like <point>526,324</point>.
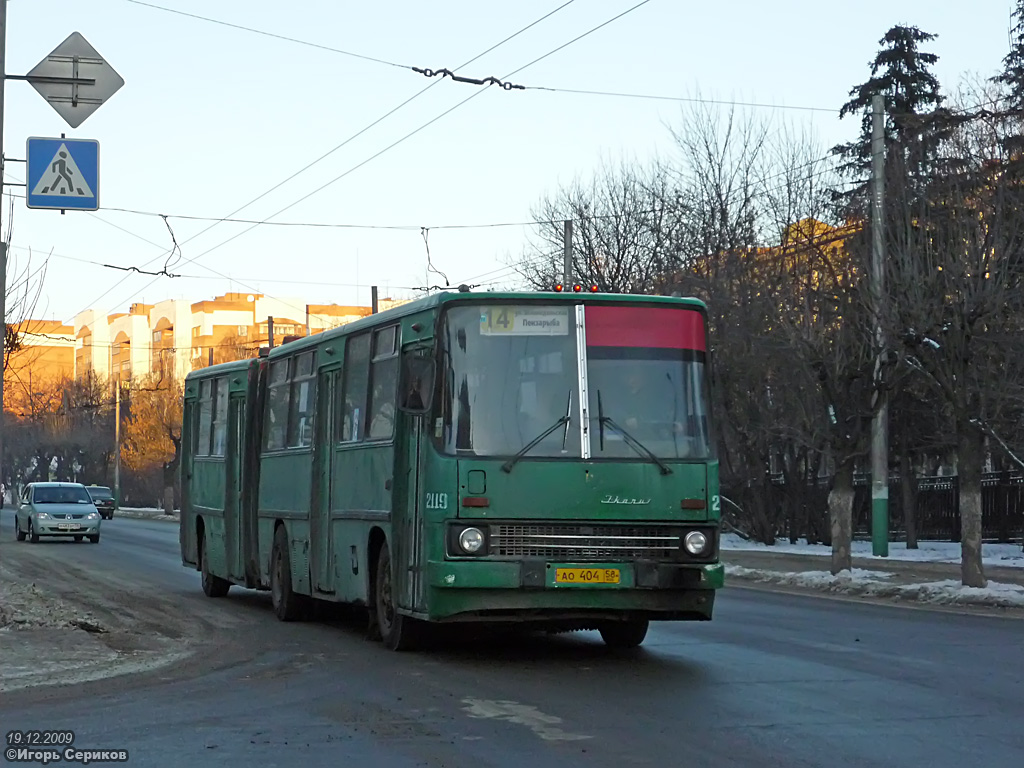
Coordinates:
<point>581,543</point>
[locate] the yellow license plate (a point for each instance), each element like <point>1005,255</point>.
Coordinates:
<point>586,575</point>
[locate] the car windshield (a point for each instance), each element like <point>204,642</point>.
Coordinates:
<point>511,372</point>
<point>58,495</point>
<point>100,493</point>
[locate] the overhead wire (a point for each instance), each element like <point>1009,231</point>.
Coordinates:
<point>267,34</point>
<point>339,146</point>
<point>349,53</point>
<point>498,275</point>
<point>444,72</point>
<point>421,127</point>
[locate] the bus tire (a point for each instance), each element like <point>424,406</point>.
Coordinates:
<point>398,632</point>
<point>213,586</point>
<point>624,634</point>
<point>288,605</point>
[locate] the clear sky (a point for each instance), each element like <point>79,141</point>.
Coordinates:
<point>212,117</point>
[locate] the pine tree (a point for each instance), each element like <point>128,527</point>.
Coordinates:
<point>901,73</point>
<point>1012,76</point>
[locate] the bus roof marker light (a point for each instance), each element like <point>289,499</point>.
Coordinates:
<point>577,288</point>
<point>559,287</point>
<point>593,289</point>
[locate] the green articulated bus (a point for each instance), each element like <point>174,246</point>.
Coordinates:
<point>543,459</point>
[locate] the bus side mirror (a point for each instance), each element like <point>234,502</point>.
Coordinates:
<point>416,385</point>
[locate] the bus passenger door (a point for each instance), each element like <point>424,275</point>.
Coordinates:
<point>233,488</point>
<point>410,450</point>
<point>321,533</point>
<point>187,526</point>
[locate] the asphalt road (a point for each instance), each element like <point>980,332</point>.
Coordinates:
<point>774,680</point>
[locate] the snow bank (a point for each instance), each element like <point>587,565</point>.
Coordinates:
<point>26,606</point>
<point>1003,555</point>
<point>865,583</point>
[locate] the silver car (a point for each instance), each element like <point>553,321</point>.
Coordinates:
<point>56,509</point>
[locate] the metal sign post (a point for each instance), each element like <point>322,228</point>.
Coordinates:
<point>75,80</point>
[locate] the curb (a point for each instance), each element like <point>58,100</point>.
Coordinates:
<point>877,585</point>
<point>136,514</point>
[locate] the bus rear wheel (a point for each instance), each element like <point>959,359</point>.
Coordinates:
<point>398,632</point>
<point>288,605</point>
<point>213,586</point>
<point>624,634</point>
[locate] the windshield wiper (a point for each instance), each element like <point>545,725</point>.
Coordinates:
<point>631,441</point>
<point>507,466</point>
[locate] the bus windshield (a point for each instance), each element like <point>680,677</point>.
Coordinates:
<point>511,372</point>
<point>645,378</point>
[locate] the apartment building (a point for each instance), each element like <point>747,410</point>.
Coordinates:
<point>175,336</point>
<point>43,356</point>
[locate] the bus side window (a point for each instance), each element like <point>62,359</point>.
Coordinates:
<point>302,403</point>
<point>277,406</point>
<point>384,387</point>
<point>220,417</point>
<point>205,418</point>
<point>357,369</point>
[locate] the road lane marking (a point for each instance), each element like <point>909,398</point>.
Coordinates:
<point>544,725</point>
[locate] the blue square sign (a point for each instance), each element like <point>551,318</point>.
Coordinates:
<point>63,174</point>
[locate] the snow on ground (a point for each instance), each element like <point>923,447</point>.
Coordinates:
<point>864,583</point>
<point>1004,555</point>
<point>149,513</point>
<point>26,606</point>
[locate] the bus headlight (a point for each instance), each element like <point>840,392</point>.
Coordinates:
<point>471,540</point>
<point>696,543</point>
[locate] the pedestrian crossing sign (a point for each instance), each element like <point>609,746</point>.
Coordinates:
<point>63,174</point>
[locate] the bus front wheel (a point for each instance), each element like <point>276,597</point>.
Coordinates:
<point>397,631</point>
<point>624,634</point>
<point>288,605</point>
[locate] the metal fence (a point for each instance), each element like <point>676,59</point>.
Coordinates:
<point>937,516</point>
<point>938,510</point>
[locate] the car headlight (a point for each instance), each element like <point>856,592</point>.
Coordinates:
<point>92,516</point>
<point>696,543</point>
<point>43,515</point>
<point>471,540</point>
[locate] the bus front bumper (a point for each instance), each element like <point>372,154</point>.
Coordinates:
<point>524,590</point>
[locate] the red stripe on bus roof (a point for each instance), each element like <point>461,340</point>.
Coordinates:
<point>660,327</point>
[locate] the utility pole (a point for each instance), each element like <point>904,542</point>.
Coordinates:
<point>3,243</point>
<point>880,419</point>
<point>373,299</point>
<point>270,331</point>
<point>117,439</point>
<point>567,254</point>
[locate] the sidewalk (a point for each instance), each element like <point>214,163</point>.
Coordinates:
<point>891,579</point>
<point>146,513</point>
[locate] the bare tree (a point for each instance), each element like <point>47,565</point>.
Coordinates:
<point>956,263</point>
<point>622,232</point>
<point>24,289</point>
<point>717,218</point>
